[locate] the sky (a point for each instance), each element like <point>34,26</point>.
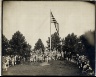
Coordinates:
<point>32,18</point>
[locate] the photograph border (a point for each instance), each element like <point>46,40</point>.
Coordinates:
<point>92,2</point>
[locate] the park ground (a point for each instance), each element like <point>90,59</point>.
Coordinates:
<point>56,68</point>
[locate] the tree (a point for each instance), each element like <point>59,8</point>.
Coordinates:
<point>80,47</point>
<point>39,45</point>
<point>26,50</point>
<point>55,42</point>
<point>63,44</point>
<point>19,45</point>
<point>70,43</point>
<point>5,45</point>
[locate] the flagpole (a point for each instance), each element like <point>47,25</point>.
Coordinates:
<point>50,30</point>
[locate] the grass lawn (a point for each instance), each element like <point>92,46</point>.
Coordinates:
<point>59,68</point>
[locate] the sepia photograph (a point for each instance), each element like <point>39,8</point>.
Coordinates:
<point>48,38</point>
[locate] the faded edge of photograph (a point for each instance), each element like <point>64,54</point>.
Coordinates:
<point>0,37</point>
<point>48,38</point>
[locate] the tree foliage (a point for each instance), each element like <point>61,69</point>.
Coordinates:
<point>5,45</point>
<point>55,42</point>
<point>39,45</point>
<point>19,45</point>
<point>73,44</point>
<point>70,43</point>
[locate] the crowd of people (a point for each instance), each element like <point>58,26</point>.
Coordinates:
<point>46,56</point>
<point>11,60</point>
<point>84,64</point>
<point>37,56</point>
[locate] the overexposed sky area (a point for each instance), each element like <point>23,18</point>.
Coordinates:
<point>32,18</point>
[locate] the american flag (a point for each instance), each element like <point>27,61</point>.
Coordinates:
<point>53,20</point>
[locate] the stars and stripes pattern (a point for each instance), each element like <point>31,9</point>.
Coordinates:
<point>53,20</point>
